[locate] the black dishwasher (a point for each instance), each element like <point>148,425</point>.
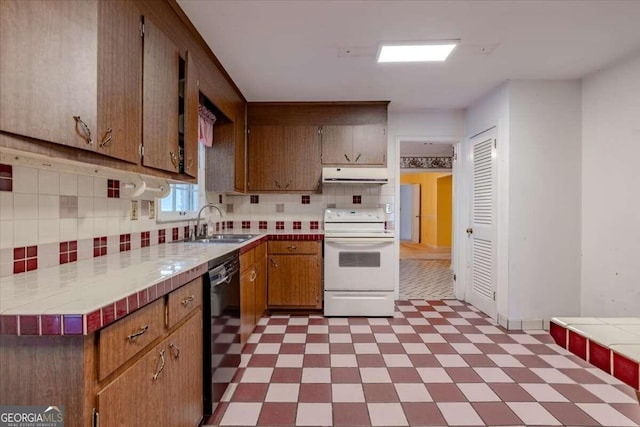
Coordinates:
<point>221,327</point>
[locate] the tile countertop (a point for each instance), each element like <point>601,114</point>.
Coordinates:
<point>80,298</point>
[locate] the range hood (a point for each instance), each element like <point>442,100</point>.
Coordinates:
<point>347,175</point>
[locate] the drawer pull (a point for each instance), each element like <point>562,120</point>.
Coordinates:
<point>189,299</point>
<point>253,276</point>
<point>135,335</point>
<point>161,368</point>
<point>106,139</point>
<point>174,350</point>
<point>358,158</point>
<point>292,248</point>
<point>84,129</point>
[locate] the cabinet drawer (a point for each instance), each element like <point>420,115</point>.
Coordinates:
<point>127,337</point>
<point>246,260</point>
<point>294,247</point>
<point>183,301</point>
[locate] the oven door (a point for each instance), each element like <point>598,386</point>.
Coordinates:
<point>358,264</point>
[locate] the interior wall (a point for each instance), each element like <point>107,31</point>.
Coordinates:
<point>544,199</point>
<point>444,207</point>
<point>610,202</point>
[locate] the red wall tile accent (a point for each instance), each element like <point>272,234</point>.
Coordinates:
<point>162,236</point>
<point>6,177</point>
<point>72,324</point>
<point>297,225</point>
<point>230,225</point>
<point>626,370</point>
<point>246,225</point>
<point>174,233</point>
<point>8,325</point>
<point>186,231</point>
<point>51,325</point>
<point>125,242</point>
<point>29,325</point>
<point>262,225</point>
<point>559,334</point>
<point>25,259</point>
<point>254,199</point>
<point>113,188</point>
<point>578,345</point>
<point>357,200</point>
<point>99,246</point>
<point>600,356</point>
<point>306,200</point>
<point>279,225</point>
<point>94,321</point>
<point>68,251</point>
<point>314,225</point>
<point>145,239</point>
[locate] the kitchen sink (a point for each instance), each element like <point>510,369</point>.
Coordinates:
<point>222,238</point>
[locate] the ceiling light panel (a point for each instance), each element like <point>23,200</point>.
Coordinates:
<point>415,52</point>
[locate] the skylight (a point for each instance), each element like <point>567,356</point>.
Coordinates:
<point>415,52</point>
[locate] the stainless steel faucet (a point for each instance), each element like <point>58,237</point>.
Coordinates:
<point>208,205</point>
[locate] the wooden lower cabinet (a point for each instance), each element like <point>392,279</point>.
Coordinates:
<point>253,289</point>
<point>158,383</point>
<point>295,275</point>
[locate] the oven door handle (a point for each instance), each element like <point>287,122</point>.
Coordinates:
<point>358,240</point>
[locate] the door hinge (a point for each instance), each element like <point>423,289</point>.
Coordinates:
<point>95,418</point>
<point>454,277</point>
<point>142,27</point>
<point>141,151</point>
<point>494,296</point>
<point>495,143</point>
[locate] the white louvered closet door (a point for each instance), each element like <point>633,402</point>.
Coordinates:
<point>483,223</point>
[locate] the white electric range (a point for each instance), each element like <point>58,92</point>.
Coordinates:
<point>359,263</point>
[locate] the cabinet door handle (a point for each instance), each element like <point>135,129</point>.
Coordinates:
<point>292,248</point>
<point>161,368</point>
<point>287,186</point>
<point>189,163</point>
<point>106,139</point>
<point>358,158</point>
<point>174,350</point>
<point>84,129</point>
<point>174,159</point>
<point>277,183</point>
<point>347,157</point>
<point>273,263</point>
<point>253,276</point>
<point>141,331</point>
<point>188,300</point>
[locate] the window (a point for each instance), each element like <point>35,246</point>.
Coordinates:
<point>181,203</point>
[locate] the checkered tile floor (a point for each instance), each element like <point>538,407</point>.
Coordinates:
<point>435,363</point>
<point>426,279</point>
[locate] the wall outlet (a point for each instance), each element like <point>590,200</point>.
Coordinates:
<point>152,209</point>
<point>134,210</point>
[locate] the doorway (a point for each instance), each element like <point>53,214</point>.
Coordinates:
<point>425,220</point>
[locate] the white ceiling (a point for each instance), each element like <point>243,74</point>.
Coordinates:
<point>297,50</point>
<point>426,148</point>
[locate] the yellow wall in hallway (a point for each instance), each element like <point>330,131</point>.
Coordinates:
<point>429,220</point>
<point>444,210</point>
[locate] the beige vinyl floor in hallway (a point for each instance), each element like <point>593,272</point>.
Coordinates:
<point>425,272</point>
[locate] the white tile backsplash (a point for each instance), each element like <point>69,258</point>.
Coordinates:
<point>48,231</point>
<point>85,228</point>
<point>48,182</point>
<point>85,186</point>
<point>6,205</point>
<point>25,180</point>
<point>25,232</point>
<point>25,206</point>
<point>99,207</point>
<point>68,229</point>
<point>85,207</point>
<point>68,184</point>
<point>48,206</point>
<point>100,227</point>
<point>6,234</point>
<point>99,187</point>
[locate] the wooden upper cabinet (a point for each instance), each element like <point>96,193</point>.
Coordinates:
<point>49,71</point>
<point>119,127</point>
<point>370,144</point>
<point>161,63</point>
<point>337,145</point>
<point>240,149</point>
<point>191,101</point>
<point>284,158</point>
<point>267,157</point>
<point>354,144</point>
